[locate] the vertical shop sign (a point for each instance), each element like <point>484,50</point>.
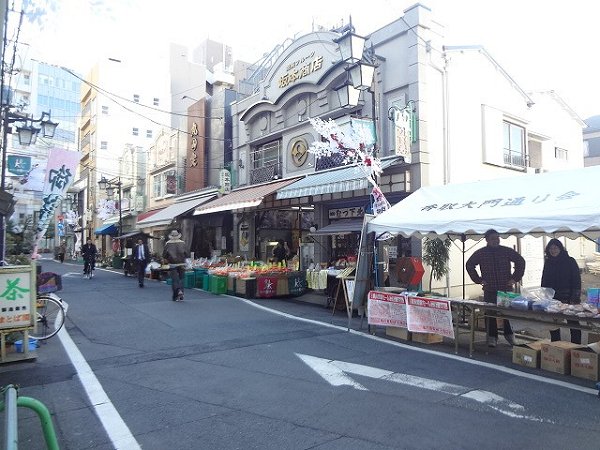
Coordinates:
<point>194,148</point>
<point>225,181</point>
<point>244,236</point>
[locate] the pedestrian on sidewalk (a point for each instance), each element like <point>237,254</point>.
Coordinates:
<point>175,254</point>
<point>141,258</point>
<point>561,273</point>
<point>494,261</point>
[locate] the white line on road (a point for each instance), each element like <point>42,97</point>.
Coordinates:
<point>336,373</point>
<point>116,429</point>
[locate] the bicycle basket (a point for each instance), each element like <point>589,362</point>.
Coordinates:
<point>48,282</point>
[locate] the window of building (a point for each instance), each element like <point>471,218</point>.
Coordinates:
<point>105,110</point>
<point>26,79</point>
<point>103,145</point>
<point>268,154</point>
<point>164,184</point>
<point>560,153</point>
<point>149,133</point>
<point>136,98</point>
<point>156,101</point>
<point>136,131</point>
<point>514,144</point>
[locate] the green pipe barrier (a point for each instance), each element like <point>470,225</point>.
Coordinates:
<point>42,412</point>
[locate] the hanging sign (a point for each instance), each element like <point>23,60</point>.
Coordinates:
<point>225,181</point>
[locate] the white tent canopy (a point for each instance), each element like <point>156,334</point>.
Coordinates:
<point>565,202</point>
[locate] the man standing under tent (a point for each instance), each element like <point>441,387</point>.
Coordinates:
<point>494,261</point>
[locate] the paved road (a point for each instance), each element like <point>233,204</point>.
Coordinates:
<point>216,372</point>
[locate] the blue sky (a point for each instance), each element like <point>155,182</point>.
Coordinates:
<point>549,44</point>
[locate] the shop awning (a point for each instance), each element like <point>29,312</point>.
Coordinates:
<point>166,215</point>
<point>248,197</point>
<point>342,226</point>
<point>107,228</point>
<point>339,180</point>
<point>146,214</point>
<point>115,219</point>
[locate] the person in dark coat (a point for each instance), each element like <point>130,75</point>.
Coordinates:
<point>279,252</point>
<point>561,273</point>
<point>495,264</point>
<point>141,257</point>
<point>175,254</point>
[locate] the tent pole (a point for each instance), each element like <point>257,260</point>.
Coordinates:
<point>463,238</point>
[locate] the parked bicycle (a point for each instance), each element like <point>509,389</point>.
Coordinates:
<point>50,309</point>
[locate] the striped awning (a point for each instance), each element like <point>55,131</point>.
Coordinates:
<point>166,215</point>
<point>247,197</point>
<point>338,180</point>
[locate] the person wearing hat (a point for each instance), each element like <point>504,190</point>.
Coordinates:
<point>497,274</point>
<point>175,254</point>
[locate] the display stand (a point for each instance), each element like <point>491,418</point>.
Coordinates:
<point>342,290</point>
<point>17,308</point>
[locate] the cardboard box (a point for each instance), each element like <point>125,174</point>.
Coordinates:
<point>397,332</point>
<point>528,355</point>
<point>427,338</point>
<point>556,356</point>
<point>584,362</point>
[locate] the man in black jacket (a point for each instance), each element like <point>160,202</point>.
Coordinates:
<point>494,261</point>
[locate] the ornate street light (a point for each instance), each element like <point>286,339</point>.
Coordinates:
<point>109,187</point>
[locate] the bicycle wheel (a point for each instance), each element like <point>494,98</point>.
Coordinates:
<point>50,317</point>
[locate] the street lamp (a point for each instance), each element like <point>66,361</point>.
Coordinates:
<point>360,71</point>
<point>28,130</point>
<point>108,186</point>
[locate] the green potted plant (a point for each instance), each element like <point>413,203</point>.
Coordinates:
<point>436,254</point>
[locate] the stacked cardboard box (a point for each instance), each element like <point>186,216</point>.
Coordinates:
<point>427,338</point>
<point>528,355</point>
<point>584,362</point>
<point>556,356</point>
<point>397,332</point>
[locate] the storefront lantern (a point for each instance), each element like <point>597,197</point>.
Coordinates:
<point>348,96</point>
<point>351,47</point>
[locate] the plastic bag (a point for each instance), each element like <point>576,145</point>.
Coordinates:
<point>538,293</point>
<point>505,298</point>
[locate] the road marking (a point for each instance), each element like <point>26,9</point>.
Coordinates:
<point>335,373</point>
<point>116,429</point>
<point>462,359</point>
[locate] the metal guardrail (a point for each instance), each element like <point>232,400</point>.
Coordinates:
<point>11,430</point>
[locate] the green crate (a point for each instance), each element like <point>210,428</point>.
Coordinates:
<point>218,285</point>
<point>206,282</point>
<point>189,280</point>
<point>199,275</point>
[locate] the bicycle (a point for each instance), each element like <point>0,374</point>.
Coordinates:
<point>50,309</point>
<point>88,269</point>
<point>50,316</point>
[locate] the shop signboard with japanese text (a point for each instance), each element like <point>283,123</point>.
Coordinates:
<point>387,309</point>
<point>17,297</point>
<point>429,315</point>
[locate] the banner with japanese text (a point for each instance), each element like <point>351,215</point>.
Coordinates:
<point>429,315</point>
<point>60,174</point>
<point>387,309</point>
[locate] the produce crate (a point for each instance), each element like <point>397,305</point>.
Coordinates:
<point>206,282</point>
<point>231,285</point>
<point>246,287</point>
<point>218,284</point>
<point>189,280</point>
<point>199,277</point>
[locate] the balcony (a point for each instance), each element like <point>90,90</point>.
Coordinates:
<point>515,159</point>
<point>265,174</point>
